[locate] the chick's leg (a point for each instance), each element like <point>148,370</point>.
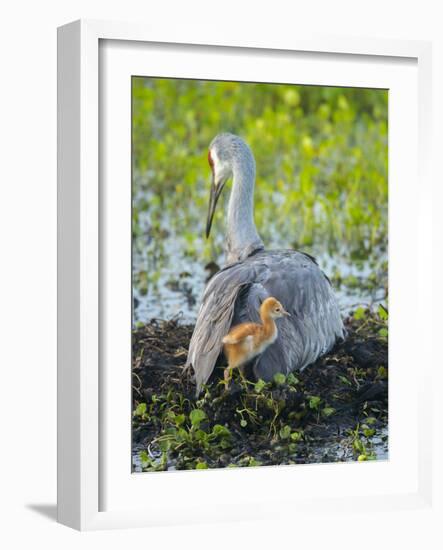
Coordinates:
<point>242,372</point>
<point>227,375</point>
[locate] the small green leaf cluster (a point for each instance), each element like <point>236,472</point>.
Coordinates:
<point>360,438</point>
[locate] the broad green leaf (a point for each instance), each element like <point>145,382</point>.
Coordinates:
<point>328,411</point>
<point>314,402</point>
<point>140,410</point>
<point>221,431</point>
<point>382,313</point>
<point>285,432</point>
<point>196,416</point>
<point>279,378</point>
<point>259,385</point>
<point>359,313</point>
<point>179,419</point>
<point>292,380</point>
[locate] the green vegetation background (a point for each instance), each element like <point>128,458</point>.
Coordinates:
<point>322,164</point>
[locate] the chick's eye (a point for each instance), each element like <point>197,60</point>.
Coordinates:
<point>277,309</point>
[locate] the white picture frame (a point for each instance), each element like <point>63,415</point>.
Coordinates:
<point>90,468</point>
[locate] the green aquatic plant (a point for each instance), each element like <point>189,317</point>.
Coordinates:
<point>360,441</point>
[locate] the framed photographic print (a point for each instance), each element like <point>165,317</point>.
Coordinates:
<point>239,270</point>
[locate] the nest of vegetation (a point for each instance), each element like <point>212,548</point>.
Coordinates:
<point>335,410</point>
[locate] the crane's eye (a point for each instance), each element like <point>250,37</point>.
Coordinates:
<point>277,309</point>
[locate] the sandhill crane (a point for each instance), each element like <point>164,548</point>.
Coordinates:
<point>252,274</point>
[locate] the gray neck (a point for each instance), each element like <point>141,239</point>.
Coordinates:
<point>242,238</point>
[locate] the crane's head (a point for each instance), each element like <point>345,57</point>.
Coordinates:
<point>225,152</point>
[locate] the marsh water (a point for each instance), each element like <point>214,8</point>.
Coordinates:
<point>176,279</point>
<point>322,452</point>
<point>172,260</point>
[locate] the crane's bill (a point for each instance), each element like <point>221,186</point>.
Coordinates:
<point>213,198</point>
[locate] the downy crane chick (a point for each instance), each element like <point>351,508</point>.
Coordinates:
<point>248,340</point>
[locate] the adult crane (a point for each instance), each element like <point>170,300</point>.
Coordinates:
<point>252,274</point>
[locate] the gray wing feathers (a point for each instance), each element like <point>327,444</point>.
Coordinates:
<point>234,296</point>
<point>248,303</point>
<point>215,319</point>
<point>315,323</point>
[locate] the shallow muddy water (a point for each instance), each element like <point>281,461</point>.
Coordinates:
<point>321,452</point>
<point>180,280</point>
